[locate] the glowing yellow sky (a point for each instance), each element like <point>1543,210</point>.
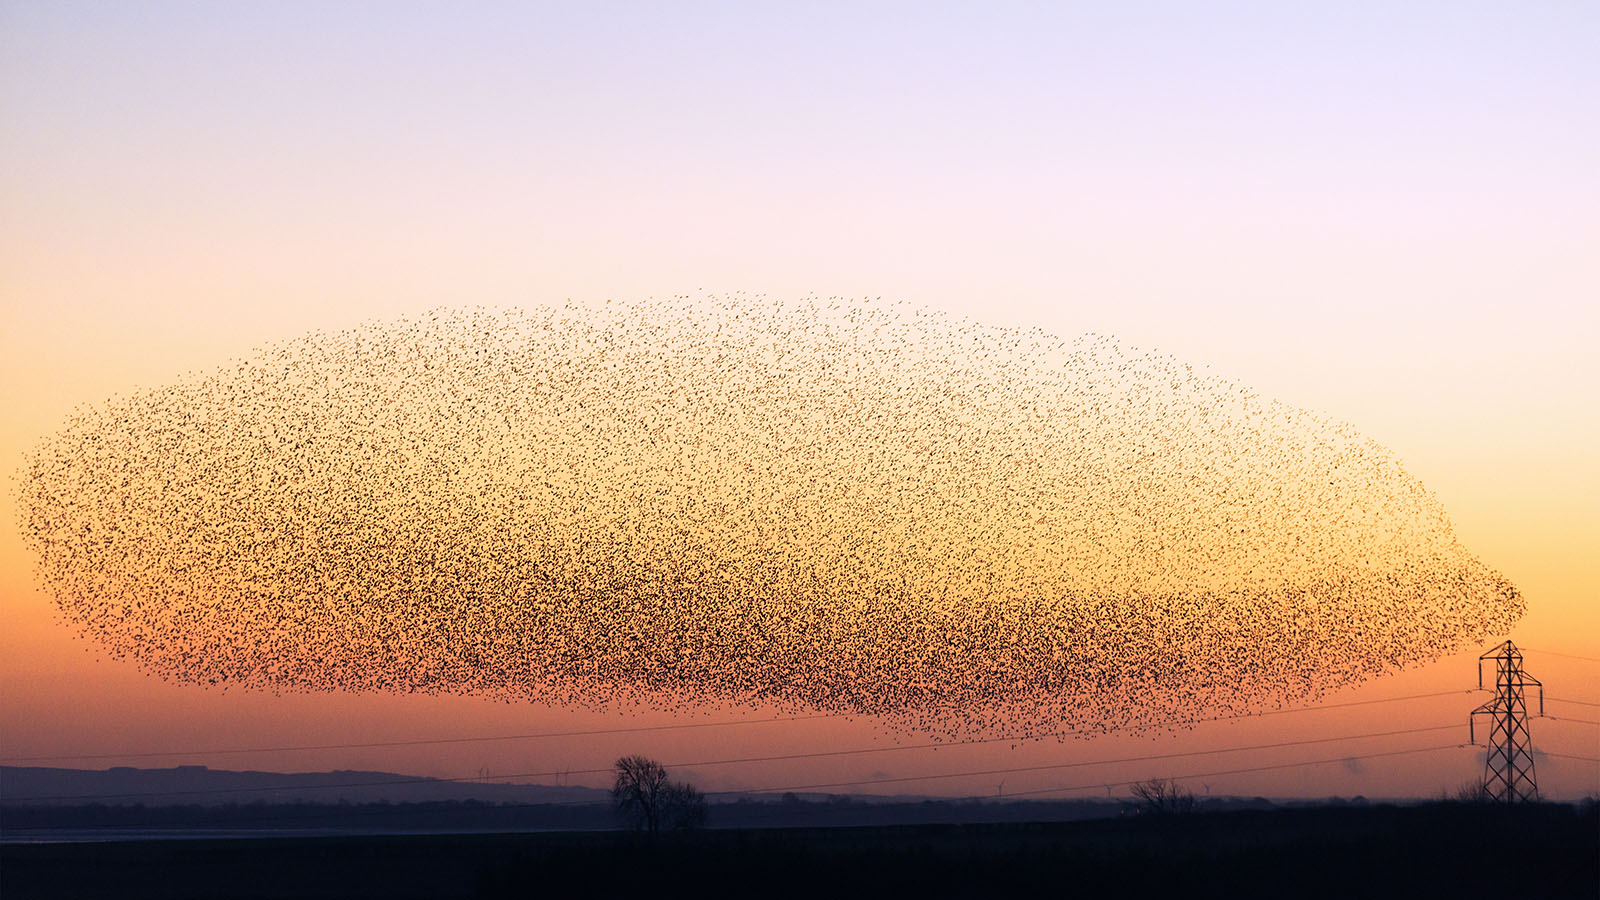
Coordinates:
<point>1384,215</point>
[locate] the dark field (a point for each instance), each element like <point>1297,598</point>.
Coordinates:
<point>1546,851</point>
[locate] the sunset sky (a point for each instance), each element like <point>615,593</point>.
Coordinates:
<point>1387,213</point>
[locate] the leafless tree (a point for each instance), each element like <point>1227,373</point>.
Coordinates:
<point>1474,791</point>
<point>648,801</point>
<point>1162,796</point>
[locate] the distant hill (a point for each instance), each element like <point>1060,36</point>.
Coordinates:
<point>199,785</point>
<point>129,803</point>
<point>36,786</point>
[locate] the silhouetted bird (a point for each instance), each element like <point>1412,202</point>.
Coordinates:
<point>836,505</point>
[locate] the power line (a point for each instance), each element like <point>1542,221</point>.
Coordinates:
<point>1566,700</point>
<point>386,809</point>
<point>722,762</point>
<point>1567,655</point>
<point>1279,712</point>
<point>1593,759</point>
<point>1311,762</point>
<point>1080,764</point>
<point>688,725</point>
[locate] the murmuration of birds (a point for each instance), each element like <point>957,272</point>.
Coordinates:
<point>704,503</point>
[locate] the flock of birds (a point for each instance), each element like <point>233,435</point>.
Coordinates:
<point>699,502</point>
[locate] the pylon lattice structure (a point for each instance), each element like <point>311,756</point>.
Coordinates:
<point>1508,775</point>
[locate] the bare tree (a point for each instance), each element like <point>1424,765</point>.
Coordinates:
<point>1162,796</point>
<point>1473,791</point>
<point>648,801</point>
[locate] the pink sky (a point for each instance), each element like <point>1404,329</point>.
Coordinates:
<point>1384,212</point>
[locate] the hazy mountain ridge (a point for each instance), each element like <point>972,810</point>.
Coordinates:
<point>204,786</point>
<point>126,803</point>
<point>201,785</point>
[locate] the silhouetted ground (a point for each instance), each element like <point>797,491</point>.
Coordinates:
<point>30,823</point>
<point>1546,851</point>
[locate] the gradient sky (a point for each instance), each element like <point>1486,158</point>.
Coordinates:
<point>1385,212</point>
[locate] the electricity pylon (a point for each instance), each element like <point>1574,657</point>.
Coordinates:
<point>1508,771</point>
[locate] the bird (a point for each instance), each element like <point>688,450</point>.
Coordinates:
<point>831,504</point>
